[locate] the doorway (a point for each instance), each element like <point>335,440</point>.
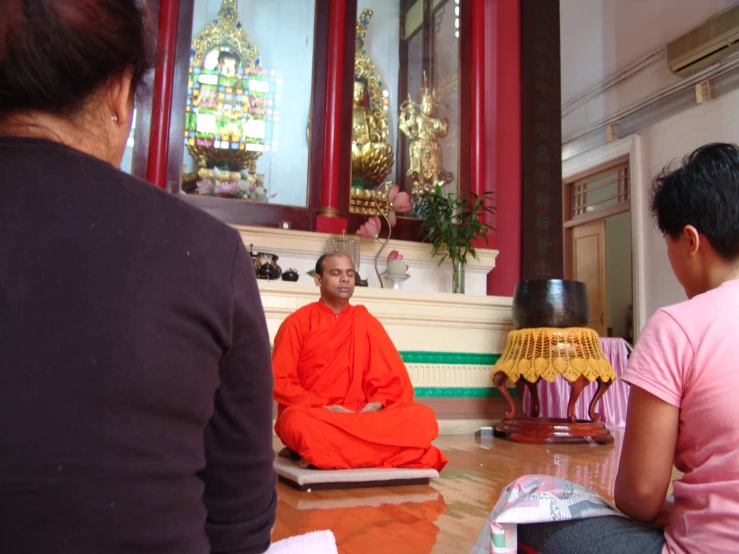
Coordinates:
<point>597,239</point>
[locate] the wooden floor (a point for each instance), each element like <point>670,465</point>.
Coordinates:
<point>446,516</point>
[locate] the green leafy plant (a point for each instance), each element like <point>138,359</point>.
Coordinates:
<point>452,223</point>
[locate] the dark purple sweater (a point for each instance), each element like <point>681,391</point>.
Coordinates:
<point>136,396</point>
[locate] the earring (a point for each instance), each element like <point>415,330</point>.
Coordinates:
<point>114,118</point>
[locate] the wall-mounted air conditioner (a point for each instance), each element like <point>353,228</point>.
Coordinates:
<point>705,45</point>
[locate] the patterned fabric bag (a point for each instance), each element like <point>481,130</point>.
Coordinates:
<point>537,499</point>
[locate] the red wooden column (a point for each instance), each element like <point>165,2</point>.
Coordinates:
<point>503,137</point>
<point>477,100</point>
<point>329,216</point>
<point>161,109</point>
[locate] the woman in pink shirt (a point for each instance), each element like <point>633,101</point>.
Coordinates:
<point>684,401</point>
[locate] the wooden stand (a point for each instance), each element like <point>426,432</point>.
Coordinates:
<point>535,430</point>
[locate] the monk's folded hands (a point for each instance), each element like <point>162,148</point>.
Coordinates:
<point>339,409</point>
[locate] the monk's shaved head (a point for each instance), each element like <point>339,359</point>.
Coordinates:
<point>336,276</point>
<point>319,263</point>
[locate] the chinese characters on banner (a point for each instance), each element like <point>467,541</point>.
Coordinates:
<point>541,241</point>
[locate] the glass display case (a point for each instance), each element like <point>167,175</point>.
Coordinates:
<point>406,114</point>
<point>248,100</point>
<point>292,113</point>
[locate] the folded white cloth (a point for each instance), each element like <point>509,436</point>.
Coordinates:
<point>315,542</point>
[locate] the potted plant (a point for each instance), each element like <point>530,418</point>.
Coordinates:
<point>452,223</point>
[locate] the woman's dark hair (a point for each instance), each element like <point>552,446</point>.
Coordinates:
<point>55,53</point>
<point>702,192</point>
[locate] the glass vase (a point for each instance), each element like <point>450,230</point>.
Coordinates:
<point>457,277</point>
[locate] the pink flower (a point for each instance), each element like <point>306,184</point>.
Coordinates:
<point>394,255</point>
<point>370,229</point>
<point>205,186</point>
<point>399,201</point>
<point>227,188</point>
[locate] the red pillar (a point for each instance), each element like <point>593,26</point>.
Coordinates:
<point>478,183</point>
<point>503,124</point>
<point>161,107</point>
<point>329,216</point>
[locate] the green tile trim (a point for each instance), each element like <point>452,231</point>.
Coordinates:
<point>461,392</point>
<point>448,358</point>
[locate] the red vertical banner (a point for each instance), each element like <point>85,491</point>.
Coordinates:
<point>542,245</point>
<point>161,108</point>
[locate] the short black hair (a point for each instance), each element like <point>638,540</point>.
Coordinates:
<point>702,192</point>
<point>319,262</point>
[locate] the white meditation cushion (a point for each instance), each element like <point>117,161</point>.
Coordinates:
<point>289,471</point>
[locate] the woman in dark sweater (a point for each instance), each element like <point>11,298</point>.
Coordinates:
<point>135,407</point>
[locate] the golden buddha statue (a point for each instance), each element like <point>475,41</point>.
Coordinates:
<point>364,124</point>
<point>420,124</point>
<point>372,155</point>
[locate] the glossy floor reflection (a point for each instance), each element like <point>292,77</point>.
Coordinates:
<point>446,516</point>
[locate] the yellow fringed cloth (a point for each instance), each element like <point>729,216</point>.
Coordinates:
<point>546,352</point>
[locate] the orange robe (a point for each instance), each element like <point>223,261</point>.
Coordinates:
<point>322,359</point>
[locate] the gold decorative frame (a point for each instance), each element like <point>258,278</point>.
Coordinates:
<point>224,30</point>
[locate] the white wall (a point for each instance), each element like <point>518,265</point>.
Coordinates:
<point>653,148</point>
<point>618,271</point>
<point>602,37</point>
<point>668,141</point>
<point>283,33</point>
<point>599,39</point>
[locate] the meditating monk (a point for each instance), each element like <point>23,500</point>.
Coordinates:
<point>345,398</point>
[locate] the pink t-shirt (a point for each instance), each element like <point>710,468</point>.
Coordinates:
<point>688,356</point>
